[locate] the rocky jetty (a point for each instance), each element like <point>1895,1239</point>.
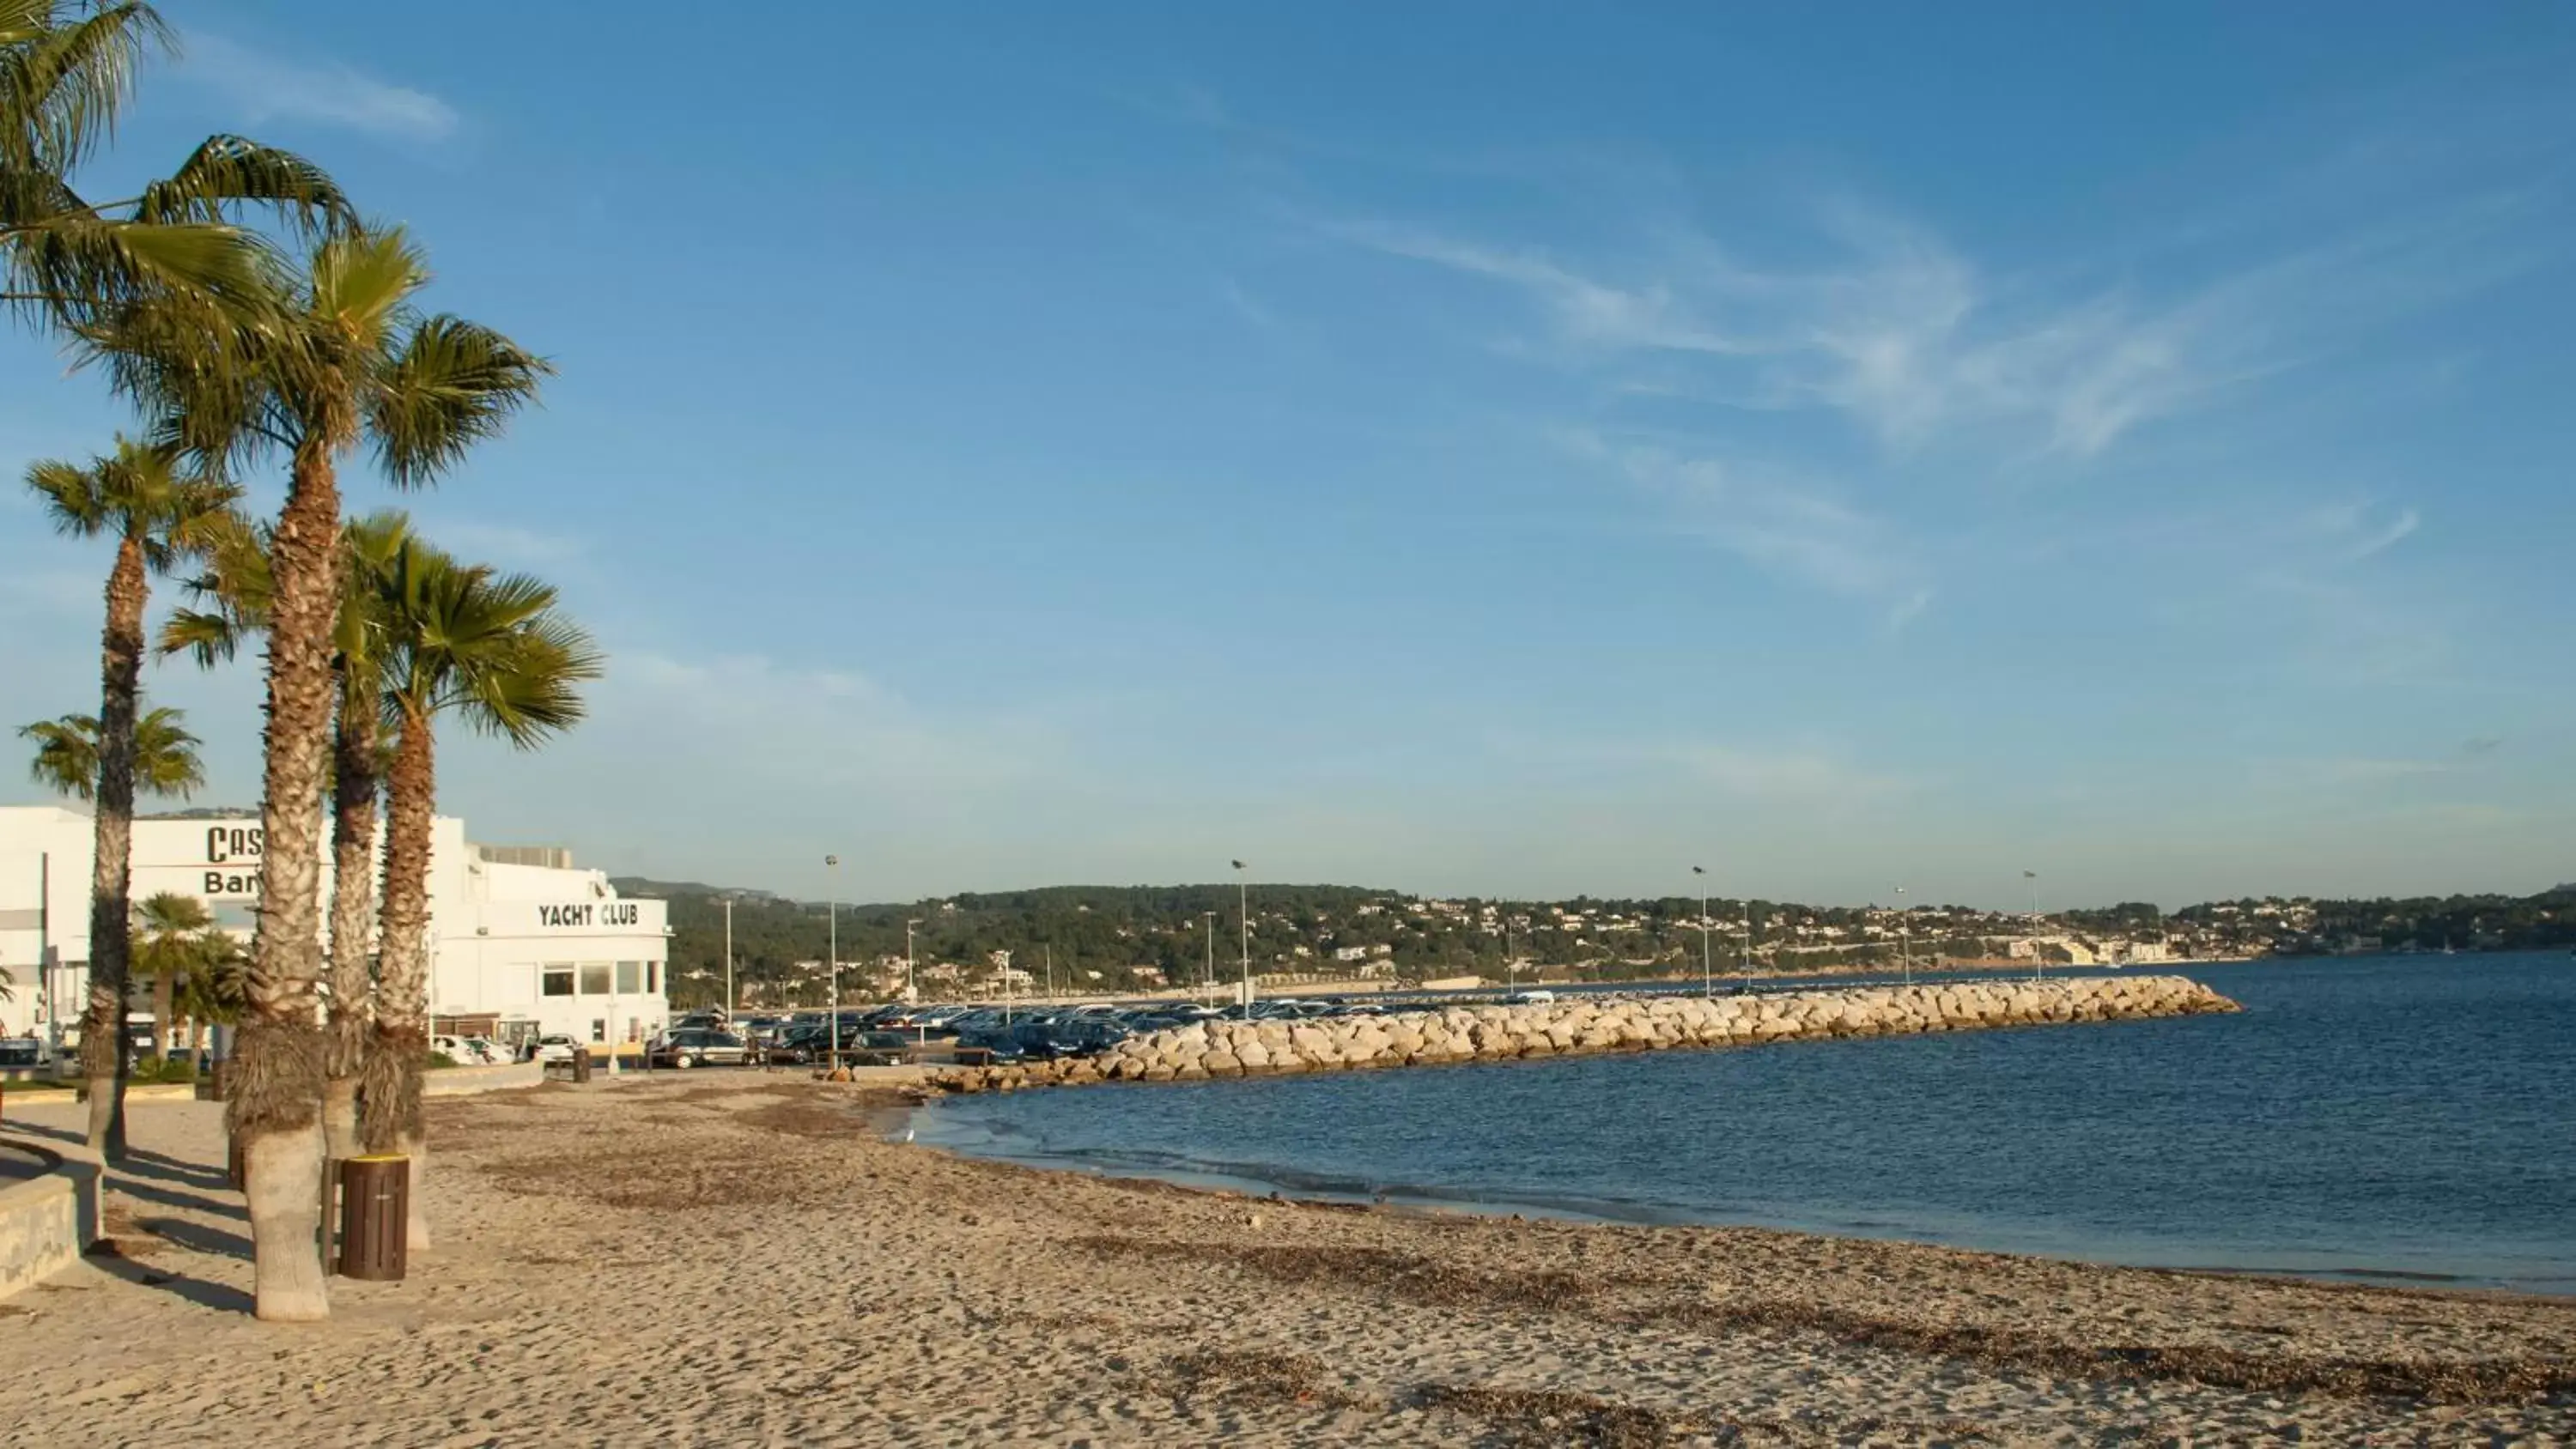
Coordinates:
<point>1576,1025</point>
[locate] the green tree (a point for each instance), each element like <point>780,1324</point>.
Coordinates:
<point>157,512</point>
<point>235,591</point>
<point>345,358</point>
<point>170,945</point>
<point>492,651</point>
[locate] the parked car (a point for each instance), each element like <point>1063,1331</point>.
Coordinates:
<point>22,1051</point>
<point>876,1048</point>
<point>553,1049</point>
<point>699,1048</point>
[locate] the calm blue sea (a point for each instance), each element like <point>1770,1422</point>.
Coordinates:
<point>2406,1117</point>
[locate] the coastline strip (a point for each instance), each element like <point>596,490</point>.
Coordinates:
<point>1579,1026</point>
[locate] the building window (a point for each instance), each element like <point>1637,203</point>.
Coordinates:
<point>653,976</point>
<point>558,979</point>
<point>594,978</point>
<point>630,977</point>
<point>598,1029</point>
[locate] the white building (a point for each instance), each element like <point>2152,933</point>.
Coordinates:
<point>522,944</point>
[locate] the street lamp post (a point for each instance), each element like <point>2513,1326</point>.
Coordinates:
<point>1744,962</point>
<point>2038,962</point>
<point>1707,963</point>
<point>1243,905</point>
<point>729,1001</point>
<point>912,987</point>
<point>1904,939</point>
<point>1207,979</point>
<point>832,910</point>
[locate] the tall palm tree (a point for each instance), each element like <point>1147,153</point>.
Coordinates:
<point>165,755</point>
<point>491,650</point>
<point>174,930</point>
<point>158,513</point>
<point>347,359</point>
<point>66,73</point>
<point>237,588</point>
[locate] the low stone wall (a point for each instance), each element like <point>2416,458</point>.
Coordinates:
<point>460,1081</point>
<point>46,1221</point>
<point>1577,1025</point>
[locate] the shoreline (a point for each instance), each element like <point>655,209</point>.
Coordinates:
<point>722,1260</point>
<point>1247,1181</point>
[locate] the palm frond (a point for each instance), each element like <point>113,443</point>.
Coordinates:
<point>71,496</point>
<point>454,384</point>
<point>225,172</point>
<point>74,267</point>
<point>142,494</point>
<point>62,86</point>
<point>205,635</point>
<point>361,286</point>
<point>66,754</point>
<point>165,756</point>
<point>485,646</point>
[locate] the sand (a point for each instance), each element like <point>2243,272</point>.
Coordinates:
<point>729,1259</point>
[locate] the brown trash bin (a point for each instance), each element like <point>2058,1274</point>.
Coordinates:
<point>581,1064</point>
<point>375,1217</point>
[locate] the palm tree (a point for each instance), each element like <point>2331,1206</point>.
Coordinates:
<point>66,73</point>
<point>173,944</point>
<point>237,587</point>
<point>346,359</point>
<point>165,755</point>
<point>491,650</point>
<point>214,989</point>
<point>158,513</point>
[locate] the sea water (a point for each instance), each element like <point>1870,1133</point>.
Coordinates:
<point>2391,1117</point>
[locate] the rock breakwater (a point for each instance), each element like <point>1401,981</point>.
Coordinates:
<point>1580,1025</point>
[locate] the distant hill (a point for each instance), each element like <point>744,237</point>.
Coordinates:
<point>637,885</point>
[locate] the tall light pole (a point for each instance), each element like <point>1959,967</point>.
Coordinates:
<point>1243,904</point>
<point>911,987</point>
<point>832,911</point>
<point>1744,963</point>
<point>1707,966</point>
<point>2038,962</point>
<point>1207,980</point>
<point>1904,938</point>
<point>729,1001</point>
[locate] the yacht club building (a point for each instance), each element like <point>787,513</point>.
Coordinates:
<point>522,943</point>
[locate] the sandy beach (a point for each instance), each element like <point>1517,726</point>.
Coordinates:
<point>737,1260</point>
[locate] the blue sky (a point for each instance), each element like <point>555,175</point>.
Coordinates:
<point>1500,449</point>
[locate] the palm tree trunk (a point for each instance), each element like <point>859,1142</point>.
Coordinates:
<point>104,1053</point>
<point>161,1015</point>
<point>353,918</point>
<point>275,1106</point>
<point>401,1044</point>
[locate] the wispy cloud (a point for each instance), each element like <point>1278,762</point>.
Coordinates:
<point>1895,329</point>
<point>1792,528</point>
<point>2364,538</point>
<point>269,87</point>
